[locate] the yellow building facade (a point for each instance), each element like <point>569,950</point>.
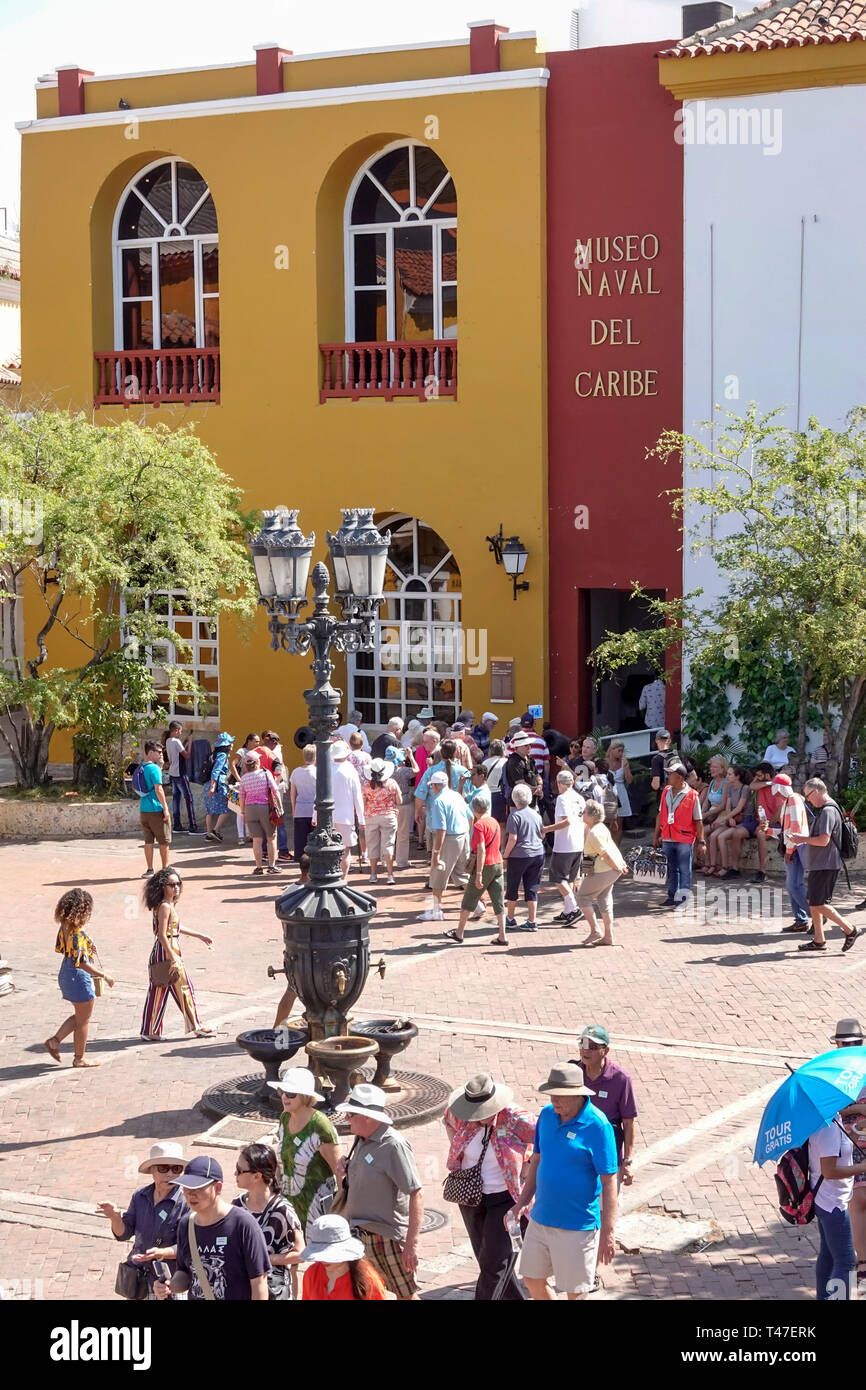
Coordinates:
<point>210,246</point>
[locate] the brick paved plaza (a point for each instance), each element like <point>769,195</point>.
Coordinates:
<point>703,1015</point>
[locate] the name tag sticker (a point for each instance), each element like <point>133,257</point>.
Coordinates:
<point>603,1095</point>
<point>222,1240</point>
<point>296,1141</point>
<point>571,1134</point>
<point>162,1215</point>
<point>368,1158</point>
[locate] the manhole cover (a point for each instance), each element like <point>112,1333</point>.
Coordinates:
<point>433,1220</point>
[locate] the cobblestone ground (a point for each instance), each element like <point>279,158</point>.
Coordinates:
<point>703,1014</point>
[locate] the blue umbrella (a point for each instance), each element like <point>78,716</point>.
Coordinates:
<point>809,1099</point>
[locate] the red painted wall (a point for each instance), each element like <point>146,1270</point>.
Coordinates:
<point>613,170</point>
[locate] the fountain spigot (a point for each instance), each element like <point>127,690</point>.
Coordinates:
<point>341,979</point>
<point>273,971</point>
<point>381,967</point>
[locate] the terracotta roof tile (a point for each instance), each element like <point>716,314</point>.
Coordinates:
<point>779,24</point>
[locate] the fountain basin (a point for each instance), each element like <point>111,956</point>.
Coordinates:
<point>391,1041</point>
<point>272,1047</point>
<point>337,1062</point>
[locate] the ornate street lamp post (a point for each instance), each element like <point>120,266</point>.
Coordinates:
<point>325,922</point>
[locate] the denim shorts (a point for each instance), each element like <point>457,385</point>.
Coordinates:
<point>76,985</point>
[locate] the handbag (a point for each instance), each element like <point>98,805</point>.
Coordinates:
<point>197,1265</point>
<point>276,817</point>
<point>163,973</point>
<point>131,1282</point>
<point>464,1185</point>
<point>341,1196</point>
<point>99,985</point>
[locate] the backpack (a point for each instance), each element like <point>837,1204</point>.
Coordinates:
<point>611,800</point>
<point>139,782</point>
<point>671,756</point>
<point>206,774</point>
<point>848,837</point>
<point>794,1189</point>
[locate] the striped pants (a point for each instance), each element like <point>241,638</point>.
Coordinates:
<point>157,1000</point>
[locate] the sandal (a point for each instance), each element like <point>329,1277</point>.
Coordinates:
<point>497,941</point>
<point>590,941</point>
<point>81,1062</point>
<point>258,871</point>
<point>813,946</point>
<point>452,936</point>
<point>850,939</point>
<point>204,1032</point>
<point>55,1050</point>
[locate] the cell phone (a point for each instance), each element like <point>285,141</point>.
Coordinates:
<point>162,1271</point>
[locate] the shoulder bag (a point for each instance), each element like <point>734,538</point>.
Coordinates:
<point>276,817</point>
<point>341,1197</point>
<point>131,1282</point>
<point>464,1186</point>
<point>163,973</point>
<point>98,982</point>
<point>197,1265</point>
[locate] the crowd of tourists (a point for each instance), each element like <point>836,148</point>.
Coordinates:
<point>313,1222</point>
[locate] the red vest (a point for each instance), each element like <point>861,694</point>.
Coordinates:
<point>683,828</point>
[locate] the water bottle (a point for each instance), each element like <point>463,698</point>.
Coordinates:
<point>514,1235</point>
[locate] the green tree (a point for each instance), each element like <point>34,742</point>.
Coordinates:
<point>783,514</point>
<point>96,519</point>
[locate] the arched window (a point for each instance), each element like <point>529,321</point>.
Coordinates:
<point>166,261</point>
<point>418,654</point>
<point>401,248</point>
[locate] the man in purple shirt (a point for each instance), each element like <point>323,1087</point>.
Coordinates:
<point>614,1096</point>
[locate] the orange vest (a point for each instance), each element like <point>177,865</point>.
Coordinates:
<point>683,828</point>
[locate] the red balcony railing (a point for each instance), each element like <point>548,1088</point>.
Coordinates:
<point>164,376</point>
<point>363,371</point>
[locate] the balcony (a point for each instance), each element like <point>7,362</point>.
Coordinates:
<point>380,371</point>
<point>167,376</point>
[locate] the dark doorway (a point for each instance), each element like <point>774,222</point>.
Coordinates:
<point>614,702</point>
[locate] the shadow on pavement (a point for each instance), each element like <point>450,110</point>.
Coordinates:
<point>154,1125</point>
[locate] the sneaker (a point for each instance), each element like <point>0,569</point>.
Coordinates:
<point>511,923</point>
<point>526,926</point>
<point>478,913</point>
<point>374,878</point>
<point>390,879</point>
<point>273,869</point>
<point>668,902</point>
<point>258,871</point>
<point>178,830</point>
<point>760,877</point>
<point>798,927</point>
<point>148,873</point>
<point>561,917</point>
<point>731,873</point>
<point>433,914</point>
<point>571,918</point>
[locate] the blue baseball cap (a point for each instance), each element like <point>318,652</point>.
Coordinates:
<point>200,1172</point>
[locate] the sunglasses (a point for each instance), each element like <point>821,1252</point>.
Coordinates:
<point>240,1171</point>
<point>593,1046</point>
<point>168,1168</point>
<point>290,1095</point>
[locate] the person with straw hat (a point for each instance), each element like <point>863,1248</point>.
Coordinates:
<point>488,1132</point>
<point>337,1265</point>
<point>573,1165</point>
<point>150,1220</point>
<point>307,1145</point>
<point>385,1200</point>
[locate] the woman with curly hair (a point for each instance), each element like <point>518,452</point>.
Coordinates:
<point>77,973</point>
<point>166,969</point>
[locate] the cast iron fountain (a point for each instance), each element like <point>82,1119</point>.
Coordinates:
<point>326,957</point>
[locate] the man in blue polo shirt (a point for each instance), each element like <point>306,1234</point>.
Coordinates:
<point>573,1164</point>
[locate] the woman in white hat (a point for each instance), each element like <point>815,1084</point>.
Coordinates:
<point>491,1137</point>
<point>337,1267</point>
<point>308,1146</point>
<point>382,801</point>
<point>152,1218</point>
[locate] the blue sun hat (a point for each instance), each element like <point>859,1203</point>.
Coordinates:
<point>395,756</point>
<point>224,741</point>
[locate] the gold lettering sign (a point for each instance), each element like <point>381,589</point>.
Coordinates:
<point>607,266</point>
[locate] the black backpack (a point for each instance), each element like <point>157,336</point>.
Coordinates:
<point>848,838</point>
<point>206,774</point>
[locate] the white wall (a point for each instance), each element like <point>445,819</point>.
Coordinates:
<point>761,209</point>
<point>628,21</point>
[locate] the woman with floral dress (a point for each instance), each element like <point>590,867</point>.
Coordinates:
<point>216,802</point>
<point>307,1145</point>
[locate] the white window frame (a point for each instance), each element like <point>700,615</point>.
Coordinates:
<point>120,244</point>
<point>191,662</point>
<point>412,216</point>
<point>402,670</point>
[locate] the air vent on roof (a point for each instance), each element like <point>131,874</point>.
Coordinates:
<point>574,30</point>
